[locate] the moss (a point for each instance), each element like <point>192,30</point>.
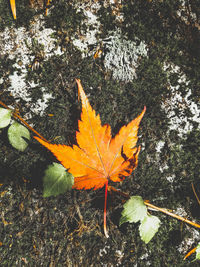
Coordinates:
<point>165,32</point>
<point>64,17</point>
<point>6,19</point>
<point>107,20</point>
<point>188,156</point>
<point>50,231</point>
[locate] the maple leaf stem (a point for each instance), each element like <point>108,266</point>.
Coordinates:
<point>104,213</point>
<point>15,115</point>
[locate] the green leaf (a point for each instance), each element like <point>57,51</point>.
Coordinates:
<point>148,227</point>
<point>198,252</point>
<point>134,210</point>
<point>56,180</point>
<point>5,117</point>
<point>16,132</point>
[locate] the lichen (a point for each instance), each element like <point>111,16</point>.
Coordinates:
<point>23,47</point>
<point>123,56</point>
<point>47,232</point>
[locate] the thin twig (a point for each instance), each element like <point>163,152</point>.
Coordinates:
<point>15,115</point>
<point>172,214</point>
<point>157,208</point>
<point>195,194</point>
<point>78,208</point>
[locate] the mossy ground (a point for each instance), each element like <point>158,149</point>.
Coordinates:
<point>67,230</point>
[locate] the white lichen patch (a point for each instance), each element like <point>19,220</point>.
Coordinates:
<point>179,120</point>
<point>186,15</point>
<point>119,255</point>
<point>41,104</point>
<point>188,243</point>
<point>116,7</point>
<point>144,258</point>
<point>18,44</point>
<point>104,251</point>
<point>171,178</point>
<point>18,88</point>
<point>87,37</point>
<point>180,211</point>
<point>159,146</point>
<point>123,56</point>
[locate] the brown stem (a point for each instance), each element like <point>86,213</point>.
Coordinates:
<point>111,188</point>
<point>171,214</point>
<point>156,208</point>
<point>195,193</point>
<point>15,115</point>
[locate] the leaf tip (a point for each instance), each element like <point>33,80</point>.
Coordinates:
<point>78,81</point>
<point>144,110</point>
<point>13,8</point>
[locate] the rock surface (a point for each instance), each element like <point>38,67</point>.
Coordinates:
<point>128,54</point>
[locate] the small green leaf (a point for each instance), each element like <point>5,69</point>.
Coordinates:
<point>198,252</point>
<point>148,227</point>
<point>5,117</point>
<point>134,210</point>
<point>16,132</point>
<point>56,180</point>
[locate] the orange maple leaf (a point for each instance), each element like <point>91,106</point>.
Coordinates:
<point>98,157</point>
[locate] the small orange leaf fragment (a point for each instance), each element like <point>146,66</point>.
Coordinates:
<point>190,252</point>
<point>13,8</point>
<point>3,193</point>
<point>98,53</point>
<point>47,4</point>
